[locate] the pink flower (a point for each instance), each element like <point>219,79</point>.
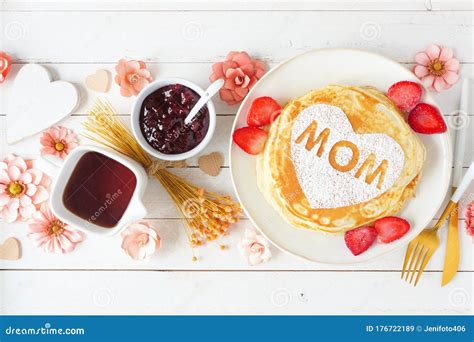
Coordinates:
<point>470,218</point>
<point>254,248</point>
<point>140,240</point>
<point>240,73</point>
<point>50,233</point>
<point>132,77</point>
<point>437,68</point>
<point>22,188</point>
<point>58,141</point>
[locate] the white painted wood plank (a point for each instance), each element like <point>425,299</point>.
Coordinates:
<point>29,148</point>
<point>242,5</point>
<point>159,206</point>
<point>226,293</point>
<point>76,74</point>
<point>97,252</point>
<point>196,72</point>
<point>207,36</point>
<point>156,198</point>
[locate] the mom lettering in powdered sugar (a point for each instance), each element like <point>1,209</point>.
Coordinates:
<point>337,167</point>
<point>368,165</point>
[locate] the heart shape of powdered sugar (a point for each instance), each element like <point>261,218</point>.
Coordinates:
<point>322,184</point>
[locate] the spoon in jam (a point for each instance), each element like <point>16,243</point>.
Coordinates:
<point>208,94</point>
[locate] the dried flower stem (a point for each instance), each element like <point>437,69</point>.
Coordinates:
<point>207,214</point>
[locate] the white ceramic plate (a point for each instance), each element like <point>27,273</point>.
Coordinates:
<point>313,70</point>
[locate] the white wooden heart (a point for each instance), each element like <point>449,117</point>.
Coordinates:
<point>333,171</point>
<point>36,103</point>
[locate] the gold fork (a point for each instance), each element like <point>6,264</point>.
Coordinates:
<point>422,248</point>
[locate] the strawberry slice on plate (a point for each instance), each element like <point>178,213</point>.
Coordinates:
<point>250,139</point>
<point>426,119</point>
<point>360,239</point>
<point>405,95</point>
<point>263,111</point>
<point>391,228</point>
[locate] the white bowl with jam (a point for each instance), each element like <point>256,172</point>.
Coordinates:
<point>158,116</point>
<point>99,190</point>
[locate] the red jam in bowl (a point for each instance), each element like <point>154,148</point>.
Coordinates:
<point>162,117</point>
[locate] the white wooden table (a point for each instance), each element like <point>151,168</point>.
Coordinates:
<point>183,39</point>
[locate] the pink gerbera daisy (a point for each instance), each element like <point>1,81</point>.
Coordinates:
<point>58,141</point>
<point>50,233</point>
<point>437,68</point>
<point>22,188</point>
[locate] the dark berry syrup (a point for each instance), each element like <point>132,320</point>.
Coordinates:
<point>99,189</point>
<point>162,119</point>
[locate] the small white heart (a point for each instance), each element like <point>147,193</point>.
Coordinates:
<point>326,186</point>
<point>36,103</point>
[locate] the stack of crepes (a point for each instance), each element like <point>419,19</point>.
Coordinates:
<point>368,111</point>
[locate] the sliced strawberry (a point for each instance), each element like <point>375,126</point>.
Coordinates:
<point>263,111</point>
<point>360,239</point>
<point>405,95</point>
<point>426,119</point>
<point>391,228</point>
<point>250,139</point>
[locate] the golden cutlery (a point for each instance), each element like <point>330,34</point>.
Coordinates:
<point>422,248</point>
<point>451,258</point>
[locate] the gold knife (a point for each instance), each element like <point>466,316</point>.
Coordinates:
<point>451,259</point>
